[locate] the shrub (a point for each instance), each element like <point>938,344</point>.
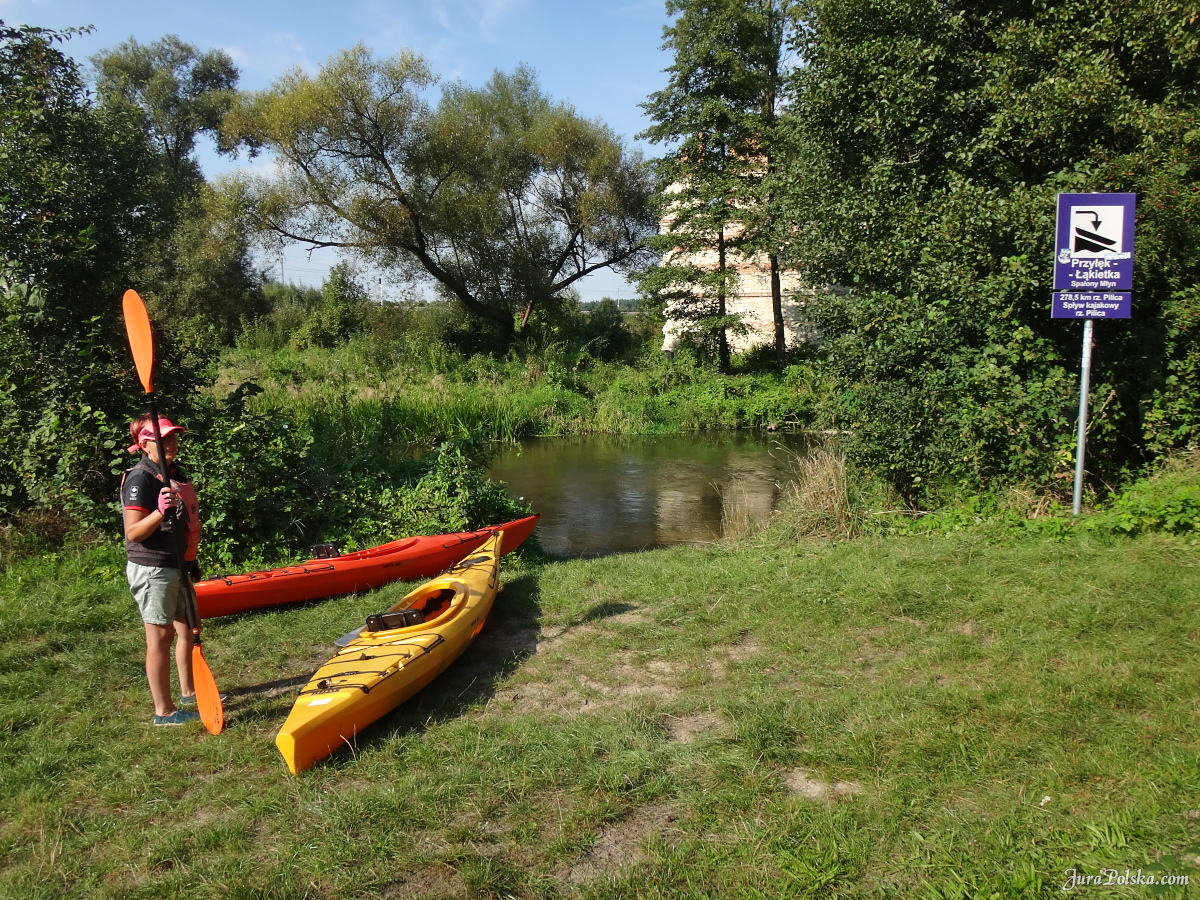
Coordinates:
<point>340,313</point>
<point>1168,501</point>
<point>269,489</point>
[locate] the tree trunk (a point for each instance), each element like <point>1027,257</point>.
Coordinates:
<point>777,311</point>
<point>722,336</point>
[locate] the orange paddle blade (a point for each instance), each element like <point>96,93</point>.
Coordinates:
<point>208,698</point>
<point>141,340</point>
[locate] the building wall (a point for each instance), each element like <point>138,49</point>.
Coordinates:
<point>752,301</point>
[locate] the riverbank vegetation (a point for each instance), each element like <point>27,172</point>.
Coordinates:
<point>412,373</point>
<point>829,500</point>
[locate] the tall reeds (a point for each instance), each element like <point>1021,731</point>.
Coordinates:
<point>823,500</point>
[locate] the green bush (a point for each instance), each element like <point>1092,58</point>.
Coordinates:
<point>288,308</point>
<point>272,484</point>
<point>340,313</point>
<point>1166,501</point>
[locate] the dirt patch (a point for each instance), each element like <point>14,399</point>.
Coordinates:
<point>685,729</point>
<point>531,642</point>
<point>434,883</point>
<point>721,657</point>
<point>874,651</point>
<point>619,844</point>
<point>567,696</point>
<point>632,617</point>
<point>742,651</point>
<point>970,629</point>
<point>802,783</point>
<point>555,698</point>
<point>208,815</point>
<point>629,681</point>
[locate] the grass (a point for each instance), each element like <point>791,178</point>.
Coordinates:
<point>902,716</point>
<point>354,393</point>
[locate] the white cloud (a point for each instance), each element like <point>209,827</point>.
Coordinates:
<point>475,18</point>
<point>269,58</point>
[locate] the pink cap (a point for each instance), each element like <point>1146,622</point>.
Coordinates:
<point>165,426</point>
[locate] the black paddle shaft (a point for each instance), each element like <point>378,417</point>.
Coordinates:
<point>176,529</point>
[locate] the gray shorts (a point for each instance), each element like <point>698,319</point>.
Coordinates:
<point>158,592</point>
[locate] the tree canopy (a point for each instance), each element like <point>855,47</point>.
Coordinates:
<point>79,204</point>
<point>928,142</point>
<point>198,275</point>
<point>181,92</point>
<point>97,198</point>
<point>497,195</point>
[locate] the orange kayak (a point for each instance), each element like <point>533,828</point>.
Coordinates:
<point>402,560</point>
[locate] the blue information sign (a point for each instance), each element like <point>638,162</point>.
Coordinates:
<point>1093,277</point>
<point>1093,247</point>
<point>1075,305</point>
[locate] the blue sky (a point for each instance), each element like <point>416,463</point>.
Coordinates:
<point>603,57</point>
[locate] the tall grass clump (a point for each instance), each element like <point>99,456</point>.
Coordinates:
<point>825,499</point>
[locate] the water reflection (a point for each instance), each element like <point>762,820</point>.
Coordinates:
<point>602,494</point>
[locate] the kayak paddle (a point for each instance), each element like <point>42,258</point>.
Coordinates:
<point>346,638</point>
<point>141,342</point>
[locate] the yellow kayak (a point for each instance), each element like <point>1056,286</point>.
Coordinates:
<point>396,654</point>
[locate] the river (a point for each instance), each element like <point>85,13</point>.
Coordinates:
<point>602,494</point>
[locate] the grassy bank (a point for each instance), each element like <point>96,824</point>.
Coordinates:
<point>357,391</point>
<point>903,716</point>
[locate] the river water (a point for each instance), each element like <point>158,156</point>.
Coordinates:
<point>602,494</point>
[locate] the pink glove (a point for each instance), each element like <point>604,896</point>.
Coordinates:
<point>166,499</point>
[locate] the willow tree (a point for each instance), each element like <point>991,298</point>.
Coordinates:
<point>497,195</point>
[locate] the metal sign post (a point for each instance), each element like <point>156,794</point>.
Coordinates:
<point>1085,384</point>
<point>1093,277</point>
